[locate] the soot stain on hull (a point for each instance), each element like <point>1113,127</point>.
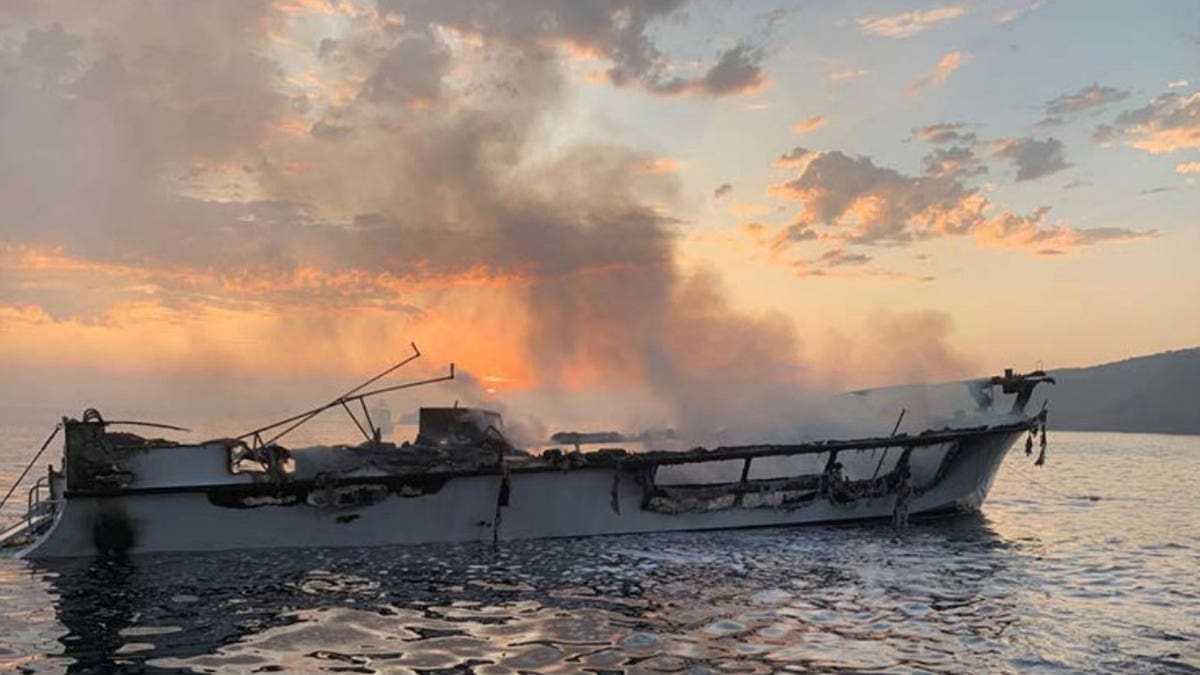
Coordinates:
<point>346,492</point>
<point>114,533</point>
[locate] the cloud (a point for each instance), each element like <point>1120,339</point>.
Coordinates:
<point>410,72</point>
<point>1089,97</point>
<point>1031,233</point>
<point>795,158</point>
<point>858,202</point>
<point>1187,167</point>
<point>809,124</point>
<point>657,165</point>
<point>908,24</point>
<point>795,233</point>
<point>839,258</point>
<point>1169,123</point>
<point>1177,84</point>
<point>104,122</point>
<point>51,52</point>
<point>1032,158</point>
<point>842,264</point>
<point>1010,15</point>
<point>953,161</point>
<point>618,31</point>
<point>330,131</point>
<point>842,76</point>
<point>944,132</point>
<point>723,190</point>
<point>38,269</point>
<point>876,204</point>
<point>327,47</point>
<point>829,261</point>
<point>777,242</point>
<point>1062,108</point>
<point>942,70</point>
<point>738,71</point>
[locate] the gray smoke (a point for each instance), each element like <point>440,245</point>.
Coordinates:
<point>119,119</point>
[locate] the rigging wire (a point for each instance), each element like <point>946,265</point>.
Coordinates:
<point>30,465</point>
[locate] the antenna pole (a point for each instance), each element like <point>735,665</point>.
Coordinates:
<point>351,395</point>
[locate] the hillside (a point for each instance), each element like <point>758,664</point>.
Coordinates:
<point>1157,393</point>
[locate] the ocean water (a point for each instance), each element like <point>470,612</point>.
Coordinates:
<point>1090,564</point>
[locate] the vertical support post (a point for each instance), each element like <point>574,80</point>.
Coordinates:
<point>502,494</point>
<point>615,497</point>
<point>356,423</point>
<point>743,481</point>
<point>370,423</point>
<point>647,480</point>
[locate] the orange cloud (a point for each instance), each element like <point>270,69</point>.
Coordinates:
<point>211,339</point>
<point>346,289</point>
<point>859,202</point>
<point>753,229</point>
<point>796,158</point>
<point>581,51</point>
<point>908,24</point>
<point>1187,167</point>
<point>23,315</point>
<point>942,70</point>
<point>810,124</point>
<point>1169,123</point>
<point>304,7</point>
<point>1168,140</point>
<point>657,165</point>
<point>1012,231</point>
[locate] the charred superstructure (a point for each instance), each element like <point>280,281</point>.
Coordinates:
<point>462,480</point>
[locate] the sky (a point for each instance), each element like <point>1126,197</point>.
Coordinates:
<point>688,210</point>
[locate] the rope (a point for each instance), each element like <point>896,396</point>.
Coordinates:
<point>30,465</point>
<point>1049,489</point>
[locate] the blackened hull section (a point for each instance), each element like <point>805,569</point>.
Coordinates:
<point>541,504</point>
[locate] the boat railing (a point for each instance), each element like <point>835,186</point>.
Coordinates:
<point>36,504</point>
<point>40,510</point>
<point>903,441</point>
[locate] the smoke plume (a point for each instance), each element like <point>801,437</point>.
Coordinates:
<point>238,187</point>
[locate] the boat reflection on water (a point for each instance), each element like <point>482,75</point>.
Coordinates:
<point>120,612</point>
<point>856,597</point>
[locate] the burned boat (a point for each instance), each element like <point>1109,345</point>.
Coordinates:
<point>461,480</point>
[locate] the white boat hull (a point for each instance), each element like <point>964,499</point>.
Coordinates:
<point>541,504</point>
